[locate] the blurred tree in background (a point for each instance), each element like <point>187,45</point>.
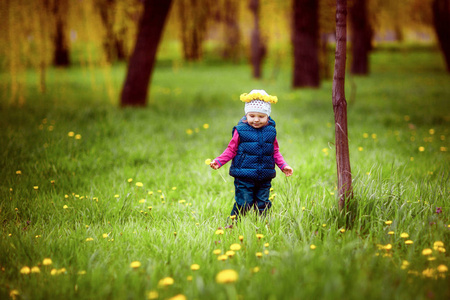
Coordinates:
<point>38,34</point>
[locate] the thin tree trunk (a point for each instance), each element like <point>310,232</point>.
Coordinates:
<point>142,60</point>
<point>306,43</point>
<point>231,49</point>
<point>61,40</point>
<point>360,38</point>
<point>441,20</point>
<point>340,106</point>
<point>257,47</point>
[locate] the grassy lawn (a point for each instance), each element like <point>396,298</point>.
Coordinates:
<point>124,206</point>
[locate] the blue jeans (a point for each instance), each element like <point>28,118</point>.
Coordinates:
<point>251,194</point>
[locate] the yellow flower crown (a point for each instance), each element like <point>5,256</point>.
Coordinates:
<point>257,96</point>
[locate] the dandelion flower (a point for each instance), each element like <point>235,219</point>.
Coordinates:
<point>25,270</point>
<point>35,187</point>
<point>409,242</point>
<point>227,276</point>
<point>405,264</point>
<point>189,278</point>
<point>421,148</point>
<point>259,236</point>
<point>427,251</point>
<point>442,268</point>
<point>235,247</point>
<point>71,134</point>
<point>388,222</point>
<point>166,281</point>
<point>391,232</point>
<point>387,247</point>
<point>13,294</point>
<point>139,184</point>
<point>360,149</point>
<point>89,239</point>
<point>78,136</point>
<point>230,253</point>
<point>178,297</point>
<point>53,272</point>
<point>219,231</point>
<point>404,235</point>
<point>241,238</point>
<point>82,272</point>
<point>135,264</point>
<point>365,135</point>
<point>65,207</point>
<point>437,245</point>
<point>142,201</point>
<point>152,295</point>
<point>217,251</point>
<point>255,270</point>
<point>324,225</point>
<point>222,257</point>
<point>130,180</point>
<point>312,247</point>
<point>342,230</point>
<point>428,272</point>
<point>189,131</point>
<point>105,235</point>
<point>18,172</point>
<point>195,267</point>
<point>35,270</point>
<point>205,126</point>
<point>259,254</point>
<point>47,261</point>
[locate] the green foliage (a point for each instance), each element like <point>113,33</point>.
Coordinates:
<point>77,197</point>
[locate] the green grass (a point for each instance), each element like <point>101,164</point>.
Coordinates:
<point>71,190</point>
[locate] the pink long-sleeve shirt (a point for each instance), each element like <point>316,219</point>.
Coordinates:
<point>231,150</point>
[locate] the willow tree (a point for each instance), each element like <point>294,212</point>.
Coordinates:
<point>340,106</point>
<point>142,61</point>
<point>306,43</point>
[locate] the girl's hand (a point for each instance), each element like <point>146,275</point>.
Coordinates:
<point>287,171</point>
<point>214,165</point>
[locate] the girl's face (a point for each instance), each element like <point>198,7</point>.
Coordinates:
<point>256,119</point>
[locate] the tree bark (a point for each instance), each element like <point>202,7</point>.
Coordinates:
<point>61,41</point>
<point>360,38</point>
<point>306,43</point>
<point>441,21</point>
<point>231,50</point>
<point>140,68</point>
<point>340,106</point>
<point>193,16</point>
<point>257,47</point>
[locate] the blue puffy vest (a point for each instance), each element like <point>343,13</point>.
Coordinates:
<point>254,158</point>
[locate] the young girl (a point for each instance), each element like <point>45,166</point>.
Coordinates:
<point>254,151</point>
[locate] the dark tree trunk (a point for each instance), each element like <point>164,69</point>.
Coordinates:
<point>340,106</point>
<point>306,43</point>
<point>193,19</point>
<point>441,21</point>
<point>360,38</point>
<point>257,47</point>
<point>140,67</point>
<point>61,41</point>
<point>112,45</point>
<point>231,50</point>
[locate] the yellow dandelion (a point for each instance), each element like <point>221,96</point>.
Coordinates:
<point>130,180</point>
<point>428,272</point>
<point>421,148</point>
<point>235,247</point>
<point>150,192</point>
<point>259,236</point>
<point>342,230</point>
<point>189,278</point>
<point>18,172</point>
<point>324,225</point>
<point>178,297</point>
<point>13,294</point>
<point>105,235</point>
<point>442,268</point>
<point>189,131</point>
<point>431,131</point>
<point>139,184</point>
<point>303,208</point>
<point>166,281</point>
<point>222,257</point>
<point>219,231</point>
<point>404,235</point>
<point>360,149</point>
<point>230,253</point>
<point>391,232</point>
<point>195,267</point>
<point>388,222</point>
<point>78,136</point>
<point>142,201</point>
<point>65,207</point>
<point>266,245</point>
<point>47,261</point>
<point>152,295</point>
<point>233,217</point>
<point>25,270</point>
<point>405,264</point>
<point>312,247</point>
<point>241,238</point>
<point>427,251</point>
<point>409,242</point>
<point>35,187</point>
<point>259,254</point>
<point>217,251</point>
<point>227,276</point>
<point>35,270</point>
<point>71,134</point>
<point>54,272</point>
<point>82,272</point>
<point>89,239</point>
<point>374,136</point>
<point>437,245</point>
<point>255,270</point>
<point>205,126</point>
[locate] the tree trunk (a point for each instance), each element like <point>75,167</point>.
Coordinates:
<point>257,47</point>
<point>360,38</point>
<point>232,34</point>
<point>61,40</point>
<point>441,21</point>
<point>193,20</point>
<point>306,43</point>
<point>113,46</point>
<point>140,68</point>
<point>340,106</point>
